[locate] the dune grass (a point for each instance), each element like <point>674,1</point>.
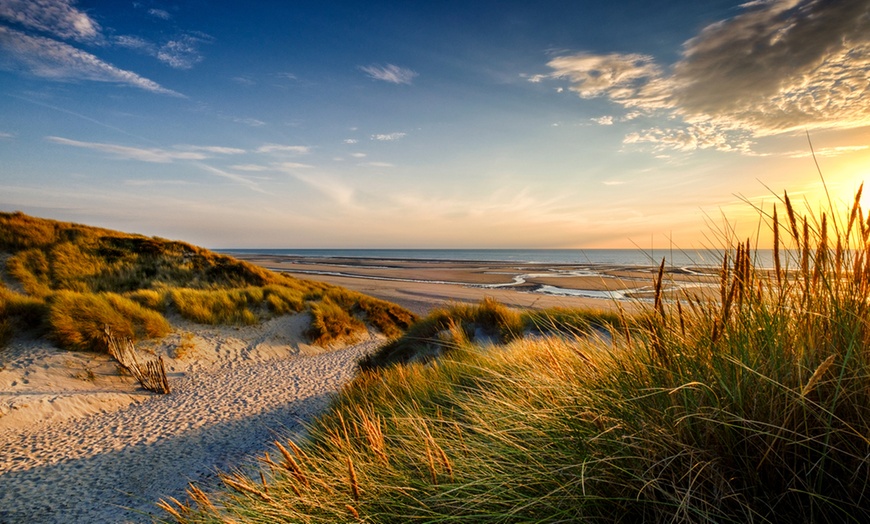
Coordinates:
<point>751,408</point>
<point>78,320</point>
<point>77,279</point>
<point>489,321</point>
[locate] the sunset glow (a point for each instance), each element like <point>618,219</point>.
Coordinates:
<point>450,124</point>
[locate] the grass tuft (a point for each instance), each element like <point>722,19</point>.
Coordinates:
<point>131,281</point>
<point>751,408</point>
<point>77,320</point>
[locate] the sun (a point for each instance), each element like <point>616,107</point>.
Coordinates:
<point>848,176</point>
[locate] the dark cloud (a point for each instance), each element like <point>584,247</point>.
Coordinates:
<point>776,67</point>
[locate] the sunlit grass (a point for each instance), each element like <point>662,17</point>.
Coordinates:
<point>751,408</point>
<point>78,320</point>
<point>77,279</point>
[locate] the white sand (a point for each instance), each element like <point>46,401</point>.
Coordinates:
<point>93,447</point>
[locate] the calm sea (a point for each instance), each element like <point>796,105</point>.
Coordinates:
<point>618,257</point>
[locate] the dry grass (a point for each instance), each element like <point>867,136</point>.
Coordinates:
<point>78,320</point>
<point>108,275</point>
<point>185,346</point>
<point>751,408</point>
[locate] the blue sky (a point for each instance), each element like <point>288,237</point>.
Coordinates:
<point>429,124</point>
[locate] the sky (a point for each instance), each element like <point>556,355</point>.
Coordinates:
<point>420,124</point>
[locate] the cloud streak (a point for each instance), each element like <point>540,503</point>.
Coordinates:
<point>388,137</point>
<point>156,155</point>
<point>777,67</point>
<point>55,60</point>
<point>390,73</point>
<point>56,17</point>
<point>279,148</point>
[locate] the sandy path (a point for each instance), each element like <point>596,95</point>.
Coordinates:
<point>113,467</point>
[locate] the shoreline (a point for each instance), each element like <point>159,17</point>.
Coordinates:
<point>424,285</point>
<point>65,416</point>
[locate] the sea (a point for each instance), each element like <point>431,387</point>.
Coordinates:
<point>544,257</point>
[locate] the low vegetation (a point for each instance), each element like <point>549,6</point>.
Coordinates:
<point>459,325</point>
<point>751,408</point>
<point>69,281</point>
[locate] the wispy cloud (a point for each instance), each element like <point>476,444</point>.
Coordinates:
<point>390,73</point>
<point>250,122</point>
<point>358,155</point>
<point>230,176</point>
<point>828,151</point>
<point>287,166</point>
<point>325,183</point>
<point>388,137</point>
<point>377,164</point>
<point>604,120</point>
<point>350,141</point>
<point>182,52</point>
<point>6,135</point>
<point>332,187</point>
<point>219,150</point>
<point>137,43</point>
<point>194,155</point>
<point>159,13</point>
<point>55,60</point>
<point>777,67</point>
<point>279,148</point>
<point>152,154</point>
<point>244,80</point>
<point>254,168</point>
<point>56,17</point>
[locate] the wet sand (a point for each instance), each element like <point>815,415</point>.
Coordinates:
<point>423,285</point>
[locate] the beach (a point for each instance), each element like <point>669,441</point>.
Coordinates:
<point>84,443</point>
<point>422,285</point>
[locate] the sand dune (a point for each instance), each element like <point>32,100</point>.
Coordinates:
<point>98,449</point>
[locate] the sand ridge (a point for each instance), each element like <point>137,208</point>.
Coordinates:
<point>234,392</point>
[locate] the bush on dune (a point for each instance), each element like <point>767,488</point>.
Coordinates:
<point>61,266</point>
<point>218,306</point>
<point>331,322</point>
<point>77,320</point>
<point>460,324</point>
<point>751,408</point>
<point>20,310</point>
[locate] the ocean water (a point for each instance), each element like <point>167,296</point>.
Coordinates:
<point>610,257</point>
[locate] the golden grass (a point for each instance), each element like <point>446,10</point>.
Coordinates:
<point>130,281</point>
<point>751,408</point>
<point>78,320</point>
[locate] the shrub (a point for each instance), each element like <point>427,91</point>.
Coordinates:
<point>282,300</point>
<point>78,320</point>
<point>218,306</point>
<point>332,323</point>
<point>32,270</point>
<point>21,311</point>
<point>72,268</point>
<point>19,231</point>
<point>448,328</point>
<point>150,298</point>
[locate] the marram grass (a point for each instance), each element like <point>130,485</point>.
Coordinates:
<point>751,408</point>
<point>73,280</point>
